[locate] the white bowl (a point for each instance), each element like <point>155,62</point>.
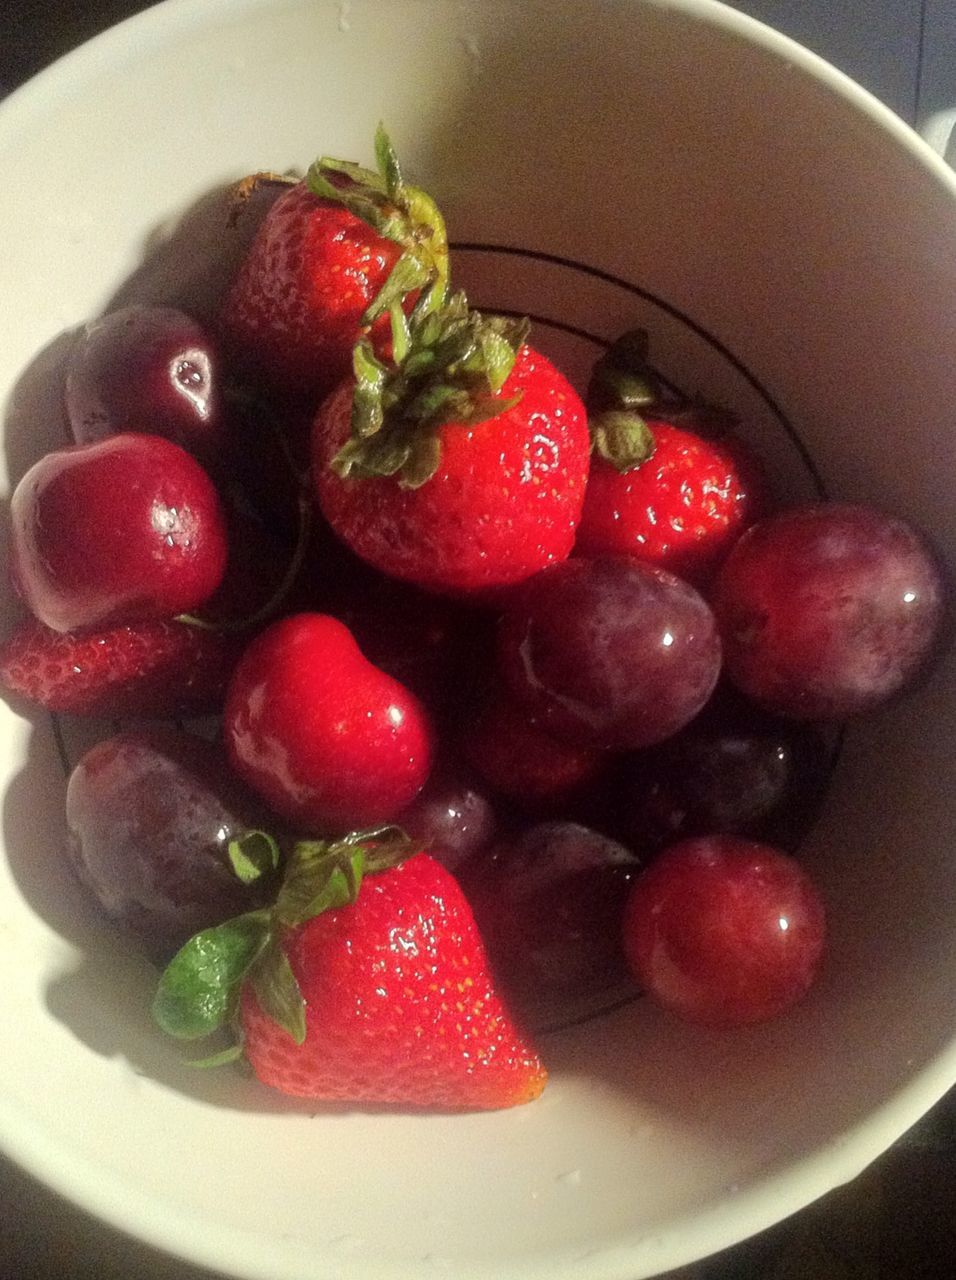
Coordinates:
<point>791,245</point>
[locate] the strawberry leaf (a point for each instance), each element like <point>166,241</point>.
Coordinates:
<point>368,412</point>
<point>278,991</point>
<point>622,439</point>
<point>388,165</point>
<point>231,1054</point>
<point>321,877</point>
<point>199,988</point>
<point>253,855</point>
<point>408,274</point>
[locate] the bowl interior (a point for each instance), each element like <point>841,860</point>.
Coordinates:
<point>790,247</point>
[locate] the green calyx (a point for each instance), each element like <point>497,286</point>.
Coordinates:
<point>397,211</point>
<point>449,365</point>
<point>625,391</point>
<point>622,390</point>
<point>199,990</point>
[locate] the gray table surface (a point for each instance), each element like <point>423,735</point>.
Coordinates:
<point>903,51</point>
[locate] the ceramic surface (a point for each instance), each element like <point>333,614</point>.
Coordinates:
<point>791,245</point>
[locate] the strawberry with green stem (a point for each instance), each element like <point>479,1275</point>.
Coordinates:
<point>669,484</point>
<point>460,464</point>
<point>334,255</point>
<point>365,982</point>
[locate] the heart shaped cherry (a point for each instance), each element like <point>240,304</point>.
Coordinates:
<point>329,740</point>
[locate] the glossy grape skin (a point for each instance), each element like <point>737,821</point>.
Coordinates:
<point>151,369</point>
<point>452,819</point>
<point>549,902</point>
<point>611,652</point>
<point>150,815</point>
<point>724,931</point>
<point>747,773</point>
<point>827,611</point>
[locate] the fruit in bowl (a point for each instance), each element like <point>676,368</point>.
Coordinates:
<point>674,1091</point>
<point>456,458</point>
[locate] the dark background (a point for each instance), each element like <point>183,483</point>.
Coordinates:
<point>898,1220</point>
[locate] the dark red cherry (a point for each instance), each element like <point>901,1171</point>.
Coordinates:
<point>452,818</point>
<point>151,369</point>
<point>122,530</point>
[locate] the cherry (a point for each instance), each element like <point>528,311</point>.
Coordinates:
<point>611,652</point>
<point>151,369</point>
<point>724,931</point>
<point>826,611</point>
<point>150,816</point>
<point>123,530</point>
<point>329,740</point>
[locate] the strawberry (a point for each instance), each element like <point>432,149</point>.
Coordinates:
<point>667,484</point>
<point>163,668</point>
<point>366,983</point>
<point>681,509</point>
<point>461,465</point>
<point>329,248</point>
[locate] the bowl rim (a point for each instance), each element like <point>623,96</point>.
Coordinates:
<point>680,1241</point>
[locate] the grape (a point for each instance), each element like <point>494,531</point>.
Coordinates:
<point>744,773</point>
<point>826,611</point>
<point>549,903</point>
<point>452,819</point>
<point>612,652</point>
<point>150,816</point>
<point>724,931</point>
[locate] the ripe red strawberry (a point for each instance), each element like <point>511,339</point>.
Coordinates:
<point>668,484</point>
<point>681,509</point>
<point>325,737</point>
<point>164,669</point>
<point>370,991</point>
<point>460,468</point>
<point>327,249</point>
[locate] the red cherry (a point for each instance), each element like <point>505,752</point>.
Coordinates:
<point>329,740</point>
<point>123,530</point>
<point>724,931</point>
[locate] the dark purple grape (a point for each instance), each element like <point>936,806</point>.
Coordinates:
<point>753,775</point>
<point>826,611</point>
<point>612,652</point>
<point>548,902</point>
<point>452,818</point>
<point>150,816</point>
<point>149,369</point>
